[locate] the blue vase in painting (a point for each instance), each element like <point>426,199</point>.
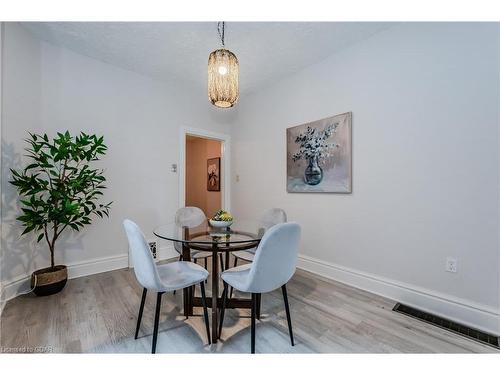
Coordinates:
<point>313,173</point>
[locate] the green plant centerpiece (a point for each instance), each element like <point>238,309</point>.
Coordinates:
<point>59,189</point>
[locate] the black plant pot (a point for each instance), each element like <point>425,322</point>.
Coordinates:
<point>47,281</point>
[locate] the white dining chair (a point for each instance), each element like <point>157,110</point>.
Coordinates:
<point>191,217</point>
<point>161,279</point>
<point>273,266</point>
<point>270,218</point>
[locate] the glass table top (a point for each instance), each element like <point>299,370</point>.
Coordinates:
<point>240,232</point>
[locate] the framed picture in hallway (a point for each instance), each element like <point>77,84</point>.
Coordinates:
<point>319,156</point>
<point>213,174</point>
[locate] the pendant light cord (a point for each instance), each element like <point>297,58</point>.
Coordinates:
<point>220,30</point>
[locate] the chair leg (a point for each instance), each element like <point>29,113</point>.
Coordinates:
<point>234,265</point>
<point>157,321</point>
<point>206,267</point>
<point>221,262</point>
<point>223,308</point>
<point>180,259</point>
<point>205,311</point>
<point>193,288</point>
<point>287,309</point>
<point>254,303</point>
<point>257,312</point>
<point>141,309</point>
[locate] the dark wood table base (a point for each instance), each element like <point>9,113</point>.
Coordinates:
<point>232,303</point>
<point>215,300</point>
<point>191,301</point>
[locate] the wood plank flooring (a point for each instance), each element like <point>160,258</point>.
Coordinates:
<point>98,314</point>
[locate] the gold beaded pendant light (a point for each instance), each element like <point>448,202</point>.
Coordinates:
<point>223,72</point>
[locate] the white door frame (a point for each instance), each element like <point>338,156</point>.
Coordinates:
<point>225,163</point>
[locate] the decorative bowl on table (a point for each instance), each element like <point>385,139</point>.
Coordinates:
<point>220,224</point>
<point>221,219</point>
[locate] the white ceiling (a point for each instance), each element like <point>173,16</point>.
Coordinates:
<point>267,51</point>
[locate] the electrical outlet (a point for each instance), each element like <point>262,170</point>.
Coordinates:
<point>451,265</point>
<point>152,247</point>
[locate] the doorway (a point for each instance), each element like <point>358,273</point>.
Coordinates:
<point>204,162</point>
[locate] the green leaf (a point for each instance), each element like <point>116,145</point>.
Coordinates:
<point>31,166</point>
<point>40,236</point>
<point>27,230</point>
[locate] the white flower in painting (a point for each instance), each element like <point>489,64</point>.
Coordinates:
<point>213,175</point>
<point>313,143</point>
<point>212,169</point>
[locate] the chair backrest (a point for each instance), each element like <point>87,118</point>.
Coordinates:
<point>270,218</point>
<point>189,217</point>
<point>275,259</point>
<point>144,264</point>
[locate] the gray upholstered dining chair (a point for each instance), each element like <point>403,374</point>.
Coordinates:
<point>270,218</point>
<point>191,217</point>
<point>161,279</point>
<point>273,266</point>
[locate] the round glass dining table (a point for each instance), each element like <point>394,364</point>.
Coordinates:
<point>241,235</point>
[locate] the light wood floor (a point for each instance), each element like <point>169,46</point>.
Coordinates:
<point>98,314</point>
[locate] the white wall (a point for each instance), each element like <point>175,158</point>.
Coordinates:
<point>424,99</point>
<point>498,149</point>
<point>52,89</point>
<point>20,111</point>
<point>1,177</point>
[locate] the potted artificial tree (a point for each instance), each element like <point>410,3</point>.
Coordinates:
<point>59,189</point>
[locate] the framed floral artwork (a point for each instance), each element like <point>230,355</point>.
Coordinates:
<point>319,156</point>
<point>213,174</point>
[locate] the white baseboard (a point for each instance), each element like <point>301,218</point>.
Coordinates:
<point>21,284</point>
<point>163,253</point>
<point>99,265</point>
<point>167,252</point>
<point>485,318</point>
